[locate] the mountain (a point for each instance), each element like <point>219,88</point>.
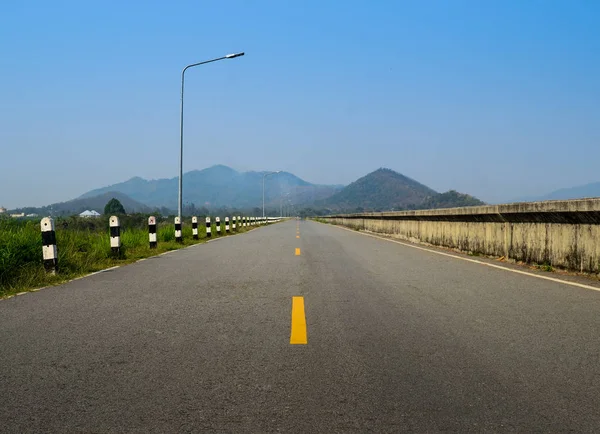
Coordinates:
<point>219,186</point>
<point>450,199</point>
<point>381,189</point>
<point>385,189</point>
<point>578,192</point>
<point>97,203</point>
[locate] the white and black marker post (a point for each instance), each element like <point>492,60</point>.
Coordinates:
<point>239,220</point>
<point>233,224</point>
<point>244,221</point>
<point>195,227</point>
<point>208,229</point>
<point>152,231</point>
<point>49,250</point>
<point>178,236</point>
<point>115,234</point>
<point>227,224</point>
<point>218,224</point>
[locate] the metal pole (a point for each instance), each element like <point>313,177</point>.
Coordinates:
<point>180,196</point>
<point>181,147</point>
<point>264,176</point>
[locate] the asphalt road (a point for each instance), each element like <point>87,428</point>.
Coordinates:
<point>398,339</point>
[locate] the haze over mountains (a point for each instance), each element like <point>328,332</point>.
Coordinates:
<point>385,189</point>
<point>97,203</point>
<point>381,188</point>
<point>219,187</point>
<point>577,192</point>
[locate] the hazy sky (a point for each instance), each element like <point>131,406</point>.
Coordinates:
<point>499,99</point>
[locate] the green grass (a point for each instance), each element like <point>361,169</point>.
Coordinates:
<point>83,247</point>
<point>545,267</point>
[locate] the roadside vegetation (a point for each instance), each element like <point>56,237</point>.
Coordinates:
<point>83,247</point>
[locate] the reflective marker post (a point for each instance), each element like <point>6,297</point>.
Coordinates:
<point>49,250</point>
<point>178,236</point>
<point>152,231</point>
<point>195,227</point>
<point>115,235</point>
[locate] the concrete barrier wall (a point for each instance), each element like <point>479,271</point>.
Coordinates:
<point>563,234</point>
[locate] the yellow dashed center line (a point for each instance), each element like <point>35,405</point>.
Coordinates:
<point>297,236</point>
<point>297,251</point>
<point>298,335</point>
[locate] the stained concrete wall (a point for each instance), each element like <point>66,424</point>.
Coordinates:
<point>563,233</point>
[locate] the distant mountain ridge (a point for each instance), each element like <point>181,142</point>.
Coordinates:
<point>96,203</point>
<point>450,199</point>
<point>577,192</point>
<point>385,189</point>
<point>219,186</point>
<point>381,188</point>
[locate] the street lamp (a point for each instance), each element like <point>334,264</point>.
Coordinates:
<point>229,56</point>
<point>281,203</point>
<point>264,176</point>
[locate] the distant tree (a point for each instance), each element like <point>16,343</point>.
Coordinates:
<point>189,209</point>
<point>114,207</point>
<point>165,212</point>
<point>450,199</point>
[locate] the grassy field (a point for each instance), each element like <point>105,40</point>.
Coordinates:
<point>83,247</point>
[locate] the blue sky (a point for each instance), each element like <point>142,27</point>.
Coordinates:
<point>499,99</point>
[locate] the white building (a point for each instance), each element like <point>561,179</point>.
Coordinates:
<point>2,210</point>
<point>91,213</point>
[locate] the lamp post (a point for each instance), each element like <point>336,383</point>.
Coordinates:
<point>264,176</point>
<point>229,56</point>
<point>281,203</point>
